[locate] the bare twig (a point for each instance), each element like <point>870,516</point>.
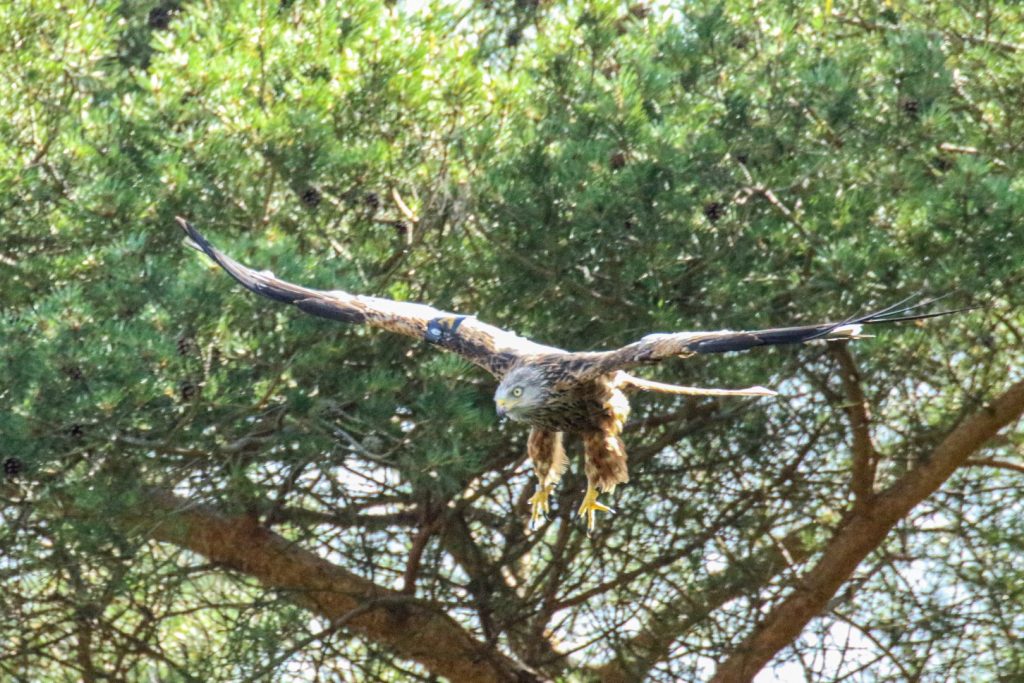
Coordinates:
<point>1003,45</point>
<point>999,464</point>
<point>755,189</point>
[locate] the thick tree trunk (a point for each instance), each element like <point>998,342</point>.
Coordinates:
<point>409,627</point>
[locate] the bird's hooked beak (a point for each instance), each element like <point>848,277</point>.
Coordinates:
<point>501,406</point>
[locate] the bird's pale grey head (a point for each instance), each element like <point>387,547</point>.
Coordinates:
<point>523,391</point>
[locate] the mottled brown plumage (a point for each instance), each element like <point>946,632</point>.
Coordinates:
<point>547,454</point>
<point>552,390</point>
<point>603,447</point>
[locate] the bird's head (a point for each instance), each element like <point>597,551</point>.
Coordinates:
<point>521,392</point>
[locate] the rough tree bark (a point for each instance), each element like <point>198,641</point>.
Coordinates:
<point>409,627</point>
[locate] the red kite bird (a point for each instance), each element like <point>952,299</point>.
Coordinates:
<point>552,390</point>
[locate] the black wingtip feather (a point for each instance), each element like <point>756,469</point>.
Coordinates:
<point>901,311</point>
<point>893,314</point>
<point>252,280</point>
<point>921,316</point>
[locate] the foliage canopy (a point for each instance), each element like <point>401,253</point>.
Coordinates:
<point>199,485</point>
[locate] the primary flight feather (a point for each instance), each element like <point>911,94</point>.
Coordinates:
<point>552,390</point>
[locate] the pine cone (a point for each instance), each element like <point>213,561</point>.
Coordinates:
<point>12,467</point>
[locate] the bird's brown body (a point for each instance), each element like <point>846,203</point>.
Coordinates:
<point>597,410</point>
<point>554,391</point>
<point>570,405</point>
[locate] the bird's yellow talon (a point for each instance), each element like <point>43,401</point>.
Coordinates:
<point>539,505</point>
<point>590,507</point>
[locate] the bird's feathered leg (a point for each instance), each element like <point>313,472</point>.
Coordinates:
<point>549,462</point>
<point>605,453</point>
<point>628,382</point>
<point>605,466</point>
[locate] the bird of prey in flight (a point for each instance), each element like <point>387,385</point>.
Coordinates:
<point>552,390</point>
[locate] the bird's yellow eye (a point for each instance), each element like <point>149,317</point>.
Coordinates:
<point>517,392</point>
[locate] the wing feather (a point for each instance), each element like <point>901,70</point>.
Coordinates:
<point>490,347</point>
<point>656,347</point>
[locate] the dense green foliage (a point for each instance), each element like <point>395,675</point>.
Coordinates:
<point>583,173</point>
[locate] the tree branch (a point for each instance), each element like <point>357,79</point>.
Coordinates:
<point>409,627</point>
<point>653,643</point>
<point>874,26</point>
<point>998,464</point>
<point>755,189</point>
<point>864,531</point>
<point>865,455</point>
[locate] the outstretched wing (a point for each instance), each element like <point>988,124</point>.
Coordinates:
<point>656,347</point>
<point>489,347</point>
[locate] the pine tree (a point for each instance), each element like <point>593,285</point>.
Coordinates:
<point>202,485</point>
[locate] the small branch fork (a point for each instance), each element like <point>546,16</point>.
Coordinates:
<point>756,189</point>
